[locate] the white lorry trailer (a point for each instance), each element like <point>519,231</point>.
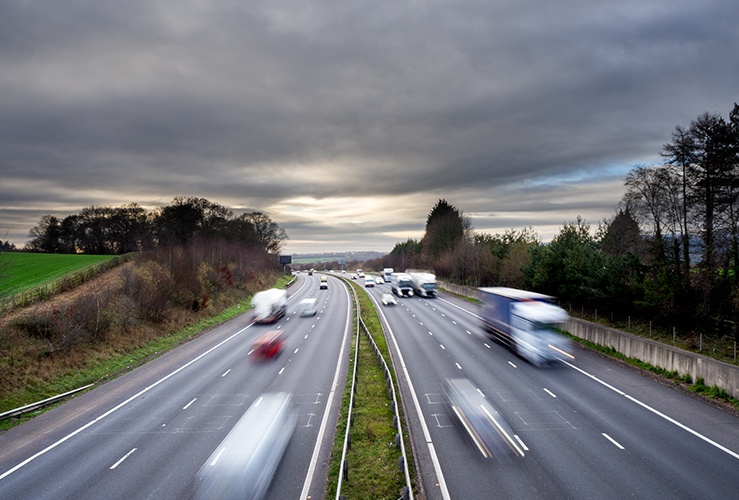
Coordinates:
<point>401,284</point>
<point>525,321</point>
<point>269,305</point>
<point>386,273</point>
<point>424,284</point>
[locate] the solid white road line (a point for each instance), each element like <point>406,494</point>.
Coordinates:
<point>656,412</point>
<point>324,422</point>
<point>120,405</point>
<point>422,419</point>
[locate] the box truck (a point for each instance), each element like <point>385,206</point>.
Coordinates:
<point>269,305</point>
<point>526,322</point>
<point>424,284</point>
<point>386,273</point>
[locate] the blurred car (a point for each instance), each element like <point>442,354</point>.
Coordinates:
<point>369,281</point>
<point>268,345</point>
<point>324,283</point>
<point>307,307</point>
<point>244,463</point>
<point>488,430</point>
<point>354,276</point>
<point>379,281</point>
<point>389,299</point>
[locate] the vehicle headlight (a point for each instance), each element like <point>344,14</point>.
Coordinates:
<point>410,293</point>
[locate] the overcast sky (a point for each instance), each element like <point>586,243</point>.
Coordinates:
<point>346,121</point>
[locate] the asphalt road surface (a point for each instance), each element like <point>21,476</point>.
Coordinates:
<point>590,427</point>
<point>147,433</point>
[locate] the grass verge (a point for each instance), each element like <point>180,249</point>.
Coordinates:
<point>373,458</point>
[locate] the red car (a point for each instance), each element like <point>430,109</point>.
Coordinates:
<point>269,344</point>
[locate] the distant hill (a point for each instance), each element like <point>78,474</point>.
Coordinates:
<point>359,256</point>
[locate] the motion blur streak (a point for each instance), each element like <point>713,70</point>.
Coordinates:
<point>487,428</point>
<point>503,433</point>
<point>245,462</point>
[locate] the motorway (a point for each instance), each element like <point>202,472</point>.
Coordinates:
<point>591,427</point>
<point>147,433</point>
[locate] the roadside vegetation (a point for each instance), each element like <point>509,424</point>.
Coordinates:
<point>668,256</point>
<point>28,373</point>
<point>373,458</point>
<point>144,305</point>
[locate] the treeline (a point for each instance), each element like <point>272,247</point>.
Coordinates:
<point>671,253</point>
<point>6,246</point>
<point>132,228</point>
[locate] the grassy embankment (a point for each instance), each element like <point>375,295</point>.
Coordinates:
<point>47,375</point>
<point>373,457</point>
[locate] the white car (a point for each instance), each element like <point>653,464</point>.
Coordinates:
<point>389,299</point>
<point>369,281</point>
<point>379,281</point>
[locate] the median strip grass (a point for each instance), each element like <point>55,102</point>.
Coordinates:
<point>373,458</point>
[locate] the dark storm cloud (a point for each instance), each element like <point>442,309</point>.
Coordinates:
<point>261,104</point>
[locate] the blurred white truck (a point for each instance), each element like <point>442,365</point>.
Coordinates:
<point>269,305</point>
<point>386,273</point>
<point>424,284</point>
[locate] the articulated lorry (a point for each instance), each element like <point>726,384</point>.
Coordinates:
<point>269,305</point>
<point>401,284</point>
<point>525,321</point>
<point>424,284</point>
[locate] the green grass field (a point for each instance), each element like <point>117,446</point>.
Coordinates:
<point>20,271</point>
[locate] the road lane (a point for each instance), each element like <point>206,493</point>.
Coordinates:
<point>568,435</point>
<point>150,431</point>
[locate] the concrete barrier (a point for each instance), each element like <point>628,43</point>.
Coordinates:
<point>667,357</point>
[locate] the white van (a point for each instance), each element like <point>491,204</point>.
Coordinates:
<point>307,307</point>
